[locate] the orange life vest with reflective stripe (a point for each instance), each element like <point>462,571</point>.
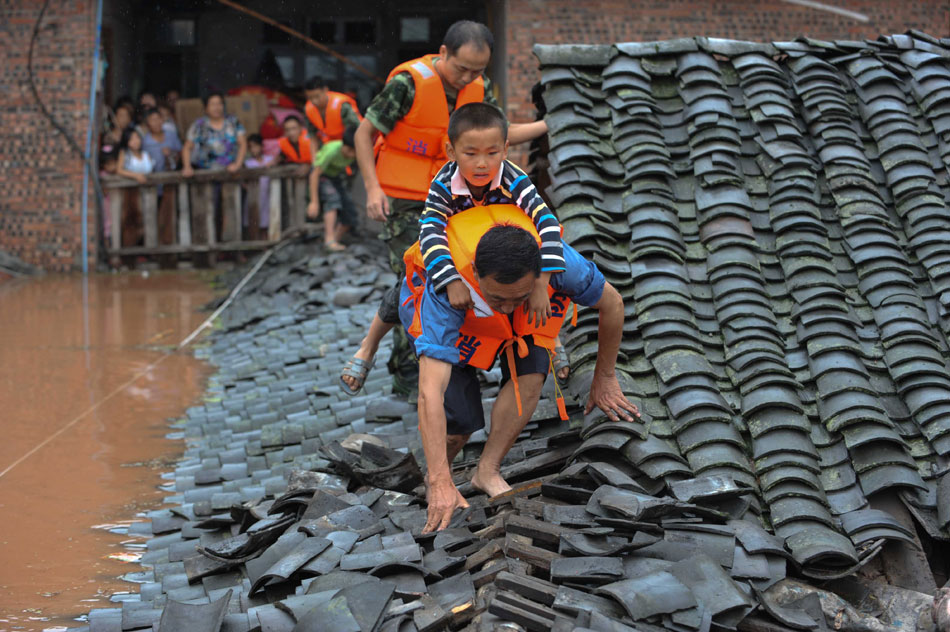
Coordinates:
<point>304,156</point>
<point>409,156</point>
<point>332,128</point>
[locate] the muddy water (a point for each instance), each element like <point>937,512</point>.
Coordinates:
<point>61,364</point>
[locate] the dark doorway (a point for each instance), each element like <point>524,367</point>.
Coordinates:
<point>167,71</point>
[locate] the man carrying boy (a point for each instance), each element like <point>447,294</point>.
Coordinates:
<point>329,112</point>
<point>412,115</point>
<point>499,254</point>
<point>477,174</point>
<point>328,189</point>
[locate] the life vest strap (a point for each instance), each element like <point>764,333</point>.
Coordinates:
<point>508,348</point>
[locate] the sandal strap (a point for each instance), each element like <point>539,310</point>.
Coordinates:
<point>358,368</point>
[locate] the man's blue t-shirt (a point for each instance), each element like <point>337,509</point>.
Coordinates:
<point>581,281</point>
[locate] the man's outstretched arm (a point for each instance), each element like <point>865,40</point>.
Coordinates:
<point>605,390</point>
<point>523,132</point>
<point>443,497</point>
<point>377,206</point>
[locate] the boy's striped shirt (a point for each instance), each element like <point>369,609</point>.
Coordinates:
<point>449,194</point>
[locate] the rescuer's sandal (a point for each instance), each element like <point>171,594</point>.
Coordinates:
<point>561,361</point>
<point>358,369</point>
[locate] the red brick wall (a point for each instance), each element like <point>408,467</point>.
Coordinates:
<point>532,22</point>
<point>40,176</point>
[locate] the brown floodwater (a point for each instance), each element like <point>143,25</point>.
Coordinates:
<point>69,357</point>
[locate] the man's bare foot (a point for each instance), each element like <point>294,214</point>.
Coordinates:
<point>364,353</point>
<point>490,483</point>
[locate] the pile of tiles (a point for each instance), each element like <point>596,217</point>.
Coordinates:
<point>776,217</point>
<point>298,508</point>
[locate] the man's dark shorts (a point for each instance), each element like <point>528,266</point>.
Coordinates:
<point>463,397</point>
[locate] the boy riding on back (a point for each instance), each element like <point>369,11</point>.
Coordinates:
<point>477,174</point>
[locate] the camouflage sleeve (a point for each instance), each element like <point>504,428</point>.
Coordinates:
<point>393,103</point>
<point>490,92</point>
<point>349,116</point>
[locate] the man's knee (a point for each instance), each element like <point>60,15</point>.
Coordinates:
<point>457,440</point>
<point>530,385</point>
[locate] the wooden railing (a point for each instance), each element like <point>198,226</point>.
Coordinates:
<point>200,224</point>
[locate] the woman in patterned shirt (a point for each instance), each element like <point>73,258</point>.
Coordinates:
<point>215,141</point>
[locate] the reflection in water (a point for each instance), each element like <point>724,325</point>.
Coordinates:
<point>62,366</point>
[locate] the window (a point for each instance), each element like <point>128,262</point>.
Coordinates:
<point>359,32</point>
<point>414,29</point>
<point>177,32</point>
<point>323,31</point>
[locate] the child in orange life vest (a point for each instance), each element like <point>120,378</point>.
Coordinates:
<point>477,174</point>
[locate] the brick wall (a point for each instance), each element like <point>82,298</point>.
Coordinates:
<point>40,176</point>
<point>531,22</point>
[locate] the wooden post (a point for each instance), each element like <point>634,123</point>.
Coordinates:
<point>275,229</point>
<point>184,214</point>
<point>254,209</point>
<point>150,214</point>
<point>115,212</point>
<point>299,213</point>
<point>230,204</point>
<point>202,221</point>
<point>200,209</point>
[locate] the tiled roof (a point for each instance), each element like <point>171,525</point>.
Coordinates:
<point>776,217</point>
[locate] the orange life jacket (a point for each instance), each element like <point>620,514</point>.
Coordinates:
<point>481,338</point>
<point>332,128</point>
<point>304,156</point>
<point>409,157</point>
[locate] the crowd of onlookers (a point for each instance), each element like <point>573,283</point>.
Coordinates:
<point>144,137</point>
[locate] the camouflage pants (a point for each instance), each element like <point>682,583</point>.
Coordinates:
<point>400,231</point>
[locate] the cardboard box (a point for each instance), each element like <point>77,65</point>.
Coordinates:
<point>251,110</point>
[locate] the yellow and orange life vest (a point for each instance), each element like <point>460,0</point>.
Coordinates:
<point>332,128</point>
<point>409,156</point>
<point>481,338</point>
<point>304,155</point>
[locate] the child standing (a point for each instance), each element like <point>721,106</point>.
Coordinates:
<point>477,174</point>
<point>257,158</point>
<point>328,188</point>
<point>135,163</point>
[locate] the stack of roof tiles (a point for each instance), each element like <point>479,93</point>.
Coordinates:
<point>776,217</point>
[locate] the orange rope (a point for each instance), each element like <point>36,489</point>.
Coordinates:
<point>509,354</point>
